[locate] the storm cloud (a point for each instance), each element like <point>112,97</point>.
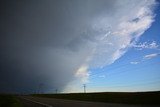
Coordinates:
<point>55,42</point>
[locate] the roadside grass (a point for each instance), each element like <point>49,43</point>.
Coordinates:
<point>9,101</point>
<point>143,98</point>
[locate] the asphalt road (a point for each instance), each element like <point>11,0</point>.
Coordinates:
<point>29,101</point>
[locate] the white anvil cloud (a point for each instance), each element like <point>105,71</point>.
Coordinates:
<point>113,31</point>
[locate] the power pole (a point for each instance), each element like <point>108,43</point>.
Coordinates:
<point>56,91</point>
<point>84,86</point>
<point>40,88</point>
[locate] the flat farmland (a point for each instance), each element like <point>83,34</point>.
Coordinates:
<point>140,98</point>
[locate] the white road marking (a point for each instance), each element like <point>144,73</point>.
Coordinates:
<point>38,102</point>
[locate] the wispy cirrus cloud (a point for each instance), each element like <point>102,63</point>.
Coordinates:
<point>145,57</point>
<point>120,33</point>
<point>150,56</point>
<point>146,45</point>
<point>134,62</point>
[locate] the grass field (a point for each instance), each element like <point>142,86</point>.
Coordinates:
<point>147,98</point>
<point>9,101</point>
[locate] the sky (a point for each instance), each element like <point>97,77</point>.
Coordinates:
<point>109,45</point>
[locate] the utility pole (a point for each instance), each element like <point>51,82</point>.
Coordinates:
<point>56,91</point>
<point>84,86</point>
<point>40,88</point>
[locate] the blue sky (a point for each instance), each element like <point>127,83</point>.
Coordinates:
<point>132,72</point>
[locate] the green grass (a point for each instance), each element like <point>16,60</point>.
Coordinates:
<point>146,98</point>
<point>9,101</point>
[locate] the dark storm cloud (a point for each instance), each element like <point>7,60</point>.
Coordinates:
<point>36,39</point>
